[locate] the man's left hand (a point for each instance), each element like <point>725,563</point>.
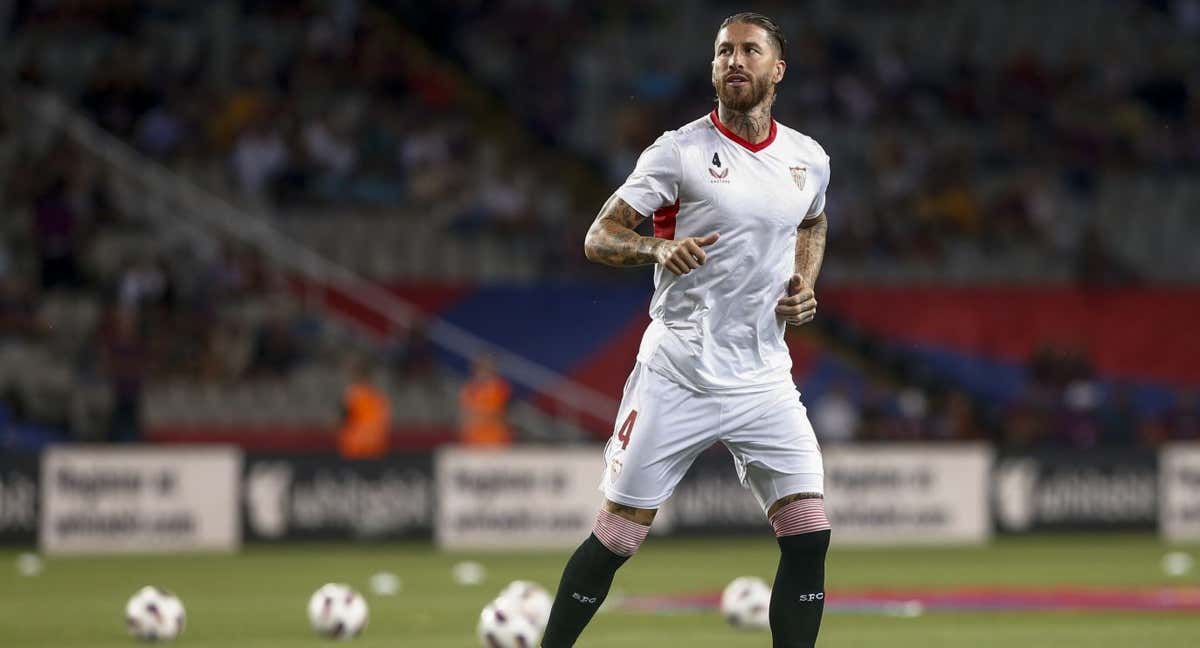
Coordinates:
<point>800,305</point>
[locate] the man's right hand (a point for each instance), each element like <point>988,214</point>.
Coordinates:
<point>684,255</point>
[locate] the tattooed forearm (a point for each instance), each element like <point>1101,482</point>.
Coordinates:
<point>611,240</point>
<point>810,248</point>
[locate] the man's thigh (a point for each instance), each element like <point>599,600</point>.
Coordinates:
<point>659,430</point>
<point>774,446</point>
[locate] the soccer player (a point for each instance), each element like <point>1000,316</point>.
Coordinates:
<point>738,207</point>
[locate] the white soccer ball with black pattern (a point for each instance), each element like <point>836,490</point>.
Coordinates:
<point>531,599</point>
<point>337,611</point>
<point>154,614</point>
<point>746,603</point>
<point>503,624</point>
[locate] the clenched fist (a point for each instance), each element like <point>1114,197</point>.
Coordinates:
<point>684,255</point>
<point>800,304</point>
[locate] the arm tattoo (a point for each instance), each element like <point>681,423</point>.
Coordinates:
<point>810,248</point>
<point>612,240</point>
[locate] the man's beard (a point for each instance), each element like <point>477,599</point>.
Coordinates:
<point>742,100</point>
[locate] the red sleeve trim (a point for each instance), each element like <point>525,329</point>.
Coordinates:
<point>664,221</point>
<point>741,140</point>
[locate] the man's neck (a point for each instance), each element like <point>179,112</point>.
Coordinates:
<point>753,125</point>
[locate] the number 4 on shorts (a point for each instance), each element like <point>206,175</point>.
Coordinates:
<point>626,429</point>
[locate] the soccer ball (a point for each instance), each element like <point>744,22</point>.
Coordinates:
<point>532,600</point>
<point>502,624</point>
<point>154,614</point>
<point>337,611</point>
<point>746,603</point>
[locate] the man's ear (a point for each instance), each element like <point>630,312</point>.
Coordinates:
<point>780,68</point>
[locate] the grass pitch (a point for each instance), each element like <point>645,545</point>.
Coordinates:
<point>257,599</point>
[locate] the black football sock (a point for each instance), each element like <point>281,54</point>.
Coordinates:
<point>585,582</point>
<point>798,598</point>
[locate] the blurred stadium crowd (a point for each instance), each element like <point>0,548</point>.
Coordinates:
<point>978,153</point>
<point>1063,403</point>
<point>473,141</point>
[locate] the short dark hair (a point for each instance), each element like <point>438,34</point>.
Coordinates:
<point>757,19</point>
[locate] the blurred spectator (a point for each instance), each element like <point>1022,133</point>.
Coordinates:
<point>276,348</point>
<point>912,417</point>
<point>1099,265</point>
<point>367,416</point>
<point>57,233</point>
<point>259,157</point>
<point>16,307</point>
<point>1184,418</point>
<point>329,142</point>
<point>126,363</point>
<point>228,352</point>
<point>142,283</point>
<point>412,356</point>
<point>1077,415</point>
<point>16,432</point>
<point>835,416</point>
<point>1023,427</point>
<point>484,406</point>
<point>956,419</point>
<point>161,131</point>
<point>1119,419</point>
<point>878,412</point>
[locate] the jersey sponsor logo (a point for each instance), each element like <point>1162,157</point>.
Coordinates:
<point>799,174</point>
<point>815,596</point>
<point>718,177</point>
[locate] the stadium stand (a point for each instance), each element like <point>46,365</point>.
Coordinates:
<point>438,168</point>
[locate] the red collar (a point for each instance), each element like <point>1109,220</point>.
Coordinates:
<point>738,138</point>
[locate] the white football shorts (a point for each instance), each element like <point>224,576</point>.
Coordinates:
<point>662,426</point>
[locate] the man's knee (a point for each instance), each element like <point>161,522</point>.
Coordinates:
<point>798,514</point>
<point>638,515</point>
<point>622,529</point>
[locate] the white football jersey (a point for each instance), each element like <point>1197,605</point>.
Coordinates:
<point>715,328</point>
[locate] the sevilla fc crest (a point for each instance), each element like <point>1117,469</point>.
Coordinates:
<point>798,174</point>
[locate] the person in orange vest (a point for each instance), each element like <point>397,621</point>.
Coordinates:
<point>367,417</point>
<point>483,403</point>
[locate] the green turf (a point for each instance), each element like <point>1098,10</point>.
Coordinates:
<point>257,598</point>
